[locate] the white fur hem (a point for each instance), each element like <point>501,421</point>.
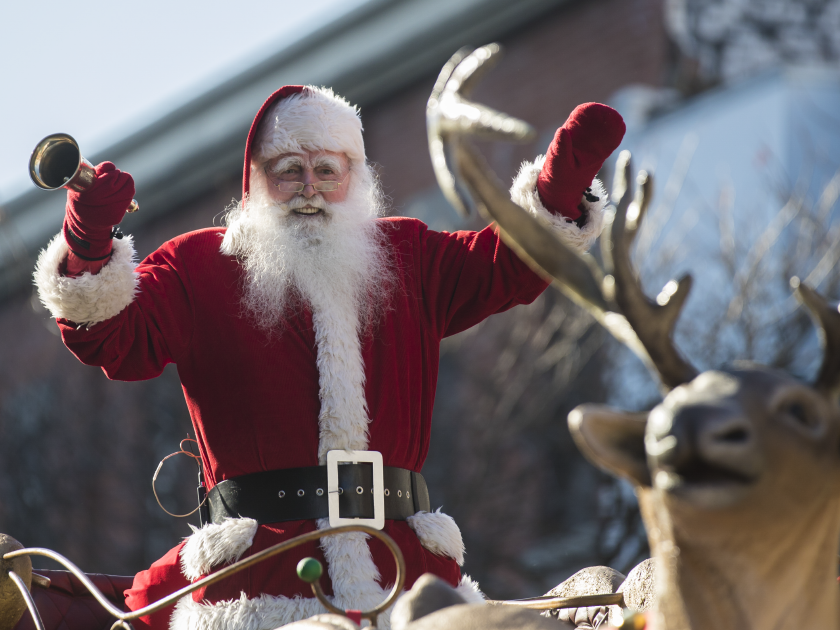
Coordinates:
<point>267,612</point>
<point>524,193</point>
<point>438,533</point>
<point>87,299</point>
<point>468,589</point>
<point>261,613</point>
<point>215,544</point>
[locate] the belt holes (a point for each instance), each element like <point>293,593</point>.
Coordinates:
<point>407,494</point>
<point>399,493</point>
<point>320,492</point>
<point>301,492</point>
<point>359,490</point>
<point>387,492</point>
<point>281,494</point>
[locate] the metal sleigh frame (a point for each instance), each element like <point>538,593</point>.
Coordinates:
<point>124,618</point>
<point>450,119</point>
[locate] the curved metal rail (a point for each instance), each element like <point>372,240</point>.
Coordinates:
<point>27,597</point>
<point>123,618</point>
<point>552,603</point>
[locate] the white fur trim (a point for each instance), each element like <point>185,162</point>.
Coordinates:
<point>87,299</point>
<point>352,571</point>
<point>343,419</point>
<point>439,533</point>
<point>343,423</point>
<point>265,612</point>
<point>215,544</point>
<point>329,621</point>
<point>524,193</point>
<point>261,613</point>
<point>468,589</point>
<point>314,119</point>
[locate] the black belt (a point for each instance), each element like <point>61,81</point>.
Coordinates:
<point>295,494</point>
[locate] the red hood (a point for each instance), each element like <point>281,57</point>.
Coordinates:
<point>283,92</point>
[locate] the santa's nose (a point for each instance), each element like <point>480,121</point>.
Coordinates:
<point>309,181</point>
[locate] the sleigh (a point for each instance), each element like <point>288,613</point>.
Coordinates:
<point>74,600</point>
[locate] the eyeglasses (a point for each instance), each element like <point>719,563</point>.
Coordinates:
<point>298,187</point>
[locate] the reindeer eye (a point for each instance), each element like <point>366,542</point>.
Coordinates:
<point>797,411</point>
<point>802,416</point>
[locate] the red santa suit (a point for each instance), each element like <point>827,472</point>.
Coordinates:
<point>263,402</point>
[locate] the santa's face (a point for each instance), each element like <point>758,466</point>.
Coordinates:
<point>323,175</point>
<point>311,248</point>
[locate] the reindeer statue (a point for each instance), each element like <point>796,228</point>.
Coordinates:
<point>737,471</point>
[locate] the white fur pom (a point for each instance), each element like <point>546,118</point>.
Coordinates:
<point>468,589</point>
<point>215,544</point>
<point>87,299</point>
<point>315,119</point>
<point>439,533</point>
<point>524,193</point>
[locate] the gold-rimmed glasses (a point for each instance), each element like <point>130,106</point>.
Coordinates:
<point>328,185</point>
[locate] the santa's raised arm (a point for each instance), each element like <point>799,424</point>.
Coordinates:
<point>309,324</point>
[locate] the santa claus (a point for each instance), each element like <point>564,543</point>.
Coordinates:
<point>309,324</point>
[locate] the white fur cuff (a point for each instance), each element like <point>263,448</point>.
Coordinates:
<point>87,299</point>
<point>215,544</point>
<point>524,193</point>
<point>438,533</point>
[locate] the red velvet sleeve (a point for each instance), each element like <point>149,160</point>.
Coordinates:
<point>467,276</point>
<point>149,333</point>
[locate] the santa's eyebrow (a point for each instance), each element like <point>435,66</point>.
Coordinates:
<point>286,162</point>
<point>327,161</point>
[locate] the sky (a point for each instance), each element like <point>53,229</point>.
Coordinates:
<point>101,70</point>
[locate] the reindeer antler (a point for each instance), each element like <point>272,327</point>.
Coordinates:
<point>653,322</point>
<point>827,318</point>
<point>615,299</point>
<point>449,115</point>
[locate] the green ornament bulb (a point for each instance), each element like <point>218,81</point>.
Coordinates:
<point>309,570</point>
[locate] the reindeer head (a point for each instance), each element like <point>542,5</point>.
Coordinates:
<point>738,478</point>
<point>737,471</point>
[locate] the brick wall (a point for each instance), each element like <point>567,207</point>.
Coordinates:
<point>581,53</point>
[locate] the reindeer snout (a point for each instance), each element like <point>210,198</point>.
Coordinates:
<point>703,443</point>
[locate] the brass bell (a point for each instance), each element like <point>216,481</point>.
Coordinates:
<point>57,162</point>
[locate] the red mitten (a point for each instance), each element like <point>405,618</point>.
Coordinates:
<point>91,214</point>
<point>587,138</point>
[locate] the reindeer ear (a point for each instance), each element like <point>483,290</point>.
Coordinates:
<point>613,440</point>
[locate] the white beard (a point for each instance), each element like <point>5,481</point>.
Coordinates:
<point>291,261</point>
